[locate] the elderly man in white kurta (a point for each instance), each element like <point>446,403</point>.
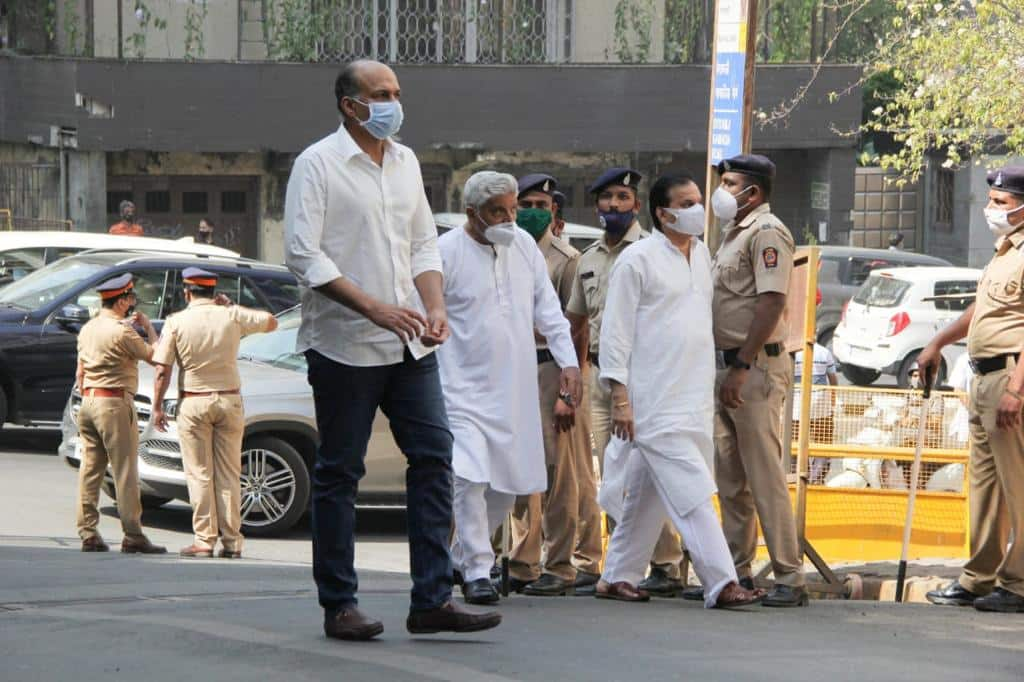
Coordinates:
<point>497,291</point>
<point>657,357</point>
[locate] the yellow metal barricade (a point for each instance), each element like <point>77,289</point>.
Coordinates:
<point>861,445</point>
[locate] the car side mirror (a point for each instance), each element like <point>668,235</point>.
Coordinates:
<point>72,316</point>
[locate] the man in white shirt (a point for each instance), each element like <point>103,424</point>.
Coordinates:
<point>822,422</point>
<point>497,291</point>
<point>657,465</point>
<point>360,237</point>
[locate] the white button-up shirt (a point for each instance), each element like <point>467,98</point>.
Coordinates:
<point>345,216</point>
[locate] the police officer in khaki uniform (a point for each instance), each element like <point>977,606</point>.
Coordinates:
<point>109,351</point>
<point>203,341</point>
<point>550,520</point>
<point>993,578</point>
<point>617,205</point>
<point>751,277</point>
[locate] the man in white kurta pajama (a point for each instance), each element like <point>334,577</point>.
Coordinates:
<point>497,291</point>
<point>657,356</point>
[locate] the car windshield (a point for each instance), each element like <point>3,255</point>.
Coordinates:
<point>44,286</point>
<point>881,291</point>
<point>276,348</point>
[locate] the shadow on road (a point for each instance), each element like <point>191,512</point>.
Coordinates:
<point>29,440</point>
<point>372,524</point>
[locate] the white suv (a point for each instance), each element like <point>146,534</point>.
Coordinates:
<point>894,314</point>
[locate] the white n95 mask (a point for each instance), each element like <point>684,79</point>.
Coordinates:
<point>688,220</point>
<point>724,203</point>
<point>999,221</point>
<point>501,234</point>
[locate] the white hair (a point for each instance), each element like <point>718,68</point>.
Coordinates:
<point>487,184</point>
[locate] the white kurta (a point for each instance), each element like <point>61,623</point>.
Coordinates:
<point>496,296</point>
<point>656,338</point>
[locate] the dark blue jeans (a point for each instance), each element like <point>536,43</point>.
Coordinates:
<point>347,399</point>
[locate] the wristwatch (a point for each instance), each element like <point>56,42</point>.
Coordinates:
<point>566,398</point>
<point>736,363</point>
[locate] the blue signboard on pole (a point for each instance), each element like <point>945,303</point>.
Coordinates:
<point>727,119</point>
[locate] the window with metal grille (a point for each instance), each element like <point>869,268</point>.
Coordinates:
<point>158,202</point>
<point>194,202</point>
<point>114,199</point>
<point>448,31</point>
<point>944,184</point>
<point>232,202</point>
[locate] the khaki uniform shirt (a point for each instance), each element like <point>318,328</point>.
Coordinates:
<point>561,259</point>
<point>997,327</point>
<point>109,350</point>
<point>203,341</point>
<point>590,288</point>
<point>756,257</point>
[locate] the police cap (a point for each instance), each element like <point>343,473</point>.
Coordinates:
<point>537,182</point>
<point>559,199</point>
<point>747,164</point>
<point>115,286</point>
<point>626,177</point>
<point>1008,179</point>
<point>199,277</point>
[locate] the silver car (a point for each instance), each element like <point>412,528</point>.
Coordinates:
<point>279,448</point>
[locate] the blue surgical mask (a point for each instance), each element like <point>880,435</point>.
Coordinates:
<point>616,223</point>
<point>385,118</point>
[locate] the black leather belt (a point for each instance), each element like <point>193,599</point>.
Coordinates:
<point>989,365</point>
<point>544,355</point>
<point>772,350</point>
<point>593,359</point>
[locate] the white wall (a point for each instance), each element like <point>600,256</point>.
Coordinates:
<point>219,29</point>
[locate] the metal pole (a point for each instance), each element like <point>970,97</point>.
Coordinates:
<point>915,473</point>
<point>120,29</point>
<point>804,437</point>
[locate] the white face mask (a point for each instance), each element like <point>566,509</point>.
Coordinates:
<point>999,221</point>
<point>724,203</point>
<point>501,234</point>
<point>688,220</point>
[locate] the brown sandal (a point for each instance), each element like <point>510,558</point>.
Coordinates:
<point>621,591</point>
<point>735,596</point>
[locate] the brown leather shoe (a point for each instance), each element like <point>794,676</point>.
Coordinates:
<point>147,547</point>
<point>620,591</point>
<point>95,544</point>
<point>451,618</point>
<point>734,596</point>
<point>196,552</point>
<point>351,624</point>
<point>230,554</point>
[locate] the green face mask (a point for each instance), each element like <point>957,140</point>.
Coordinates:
<point>533,220</point>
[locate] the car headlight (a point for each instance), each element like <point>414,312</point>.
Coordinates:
<point>171,408</point>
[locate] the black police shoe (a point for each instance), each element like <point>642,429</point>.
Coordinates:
<point>697,593</point>
<point>786,596</point>
<point>516,585</point>
<point>1000,601</point>
<point>549,586</point>
<point>479,591</point>
<point>658,584</point>
<point>953,594</point>
<point>585,578</point>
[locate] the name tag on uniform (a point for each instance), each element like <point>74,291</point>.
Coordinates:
<point>586,275</point>
<point>719,360</point>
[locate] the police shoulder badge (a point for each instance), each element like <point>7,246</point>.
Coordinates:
<point>770,257</point>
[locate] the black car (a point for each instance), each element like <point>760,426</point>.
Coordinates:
<point>40,316</point>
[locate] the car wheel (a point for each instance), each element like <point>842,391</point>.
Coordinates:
<point>148,501</point>
<point>861,376</point>
<point>275,486</point>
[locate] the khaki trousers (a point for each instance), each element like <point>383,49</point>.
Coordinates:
<point>110,435</point>
<point>996,492</point>
<point>749,474</point>
<point>210,428</point>
<point>547,523</point>
<point>668,551</point>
